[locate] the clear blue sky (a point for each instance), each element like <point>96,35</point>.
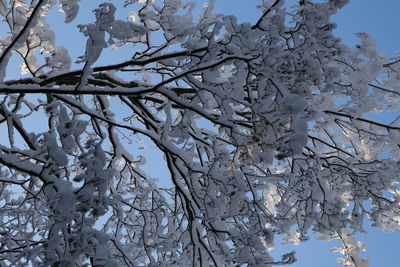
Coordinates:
<point>381,20</point>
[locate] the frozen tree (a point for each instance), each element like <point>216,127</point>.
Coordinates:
<point>264,130</point>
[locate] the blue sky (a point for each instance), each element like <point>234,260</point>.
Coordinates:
<point>381,20</point>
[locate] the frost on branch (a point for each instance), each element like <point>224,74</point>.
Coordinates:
<point>351,250</point>
<point>105,23</point>
<point>255,131</point>
<point>70,8</point>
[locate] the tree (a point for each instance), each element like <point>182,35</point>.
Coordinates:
<point>264,130</point>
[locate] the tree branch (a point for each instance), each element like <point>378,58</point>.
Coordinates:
<point>257,25</point>
<point>23,30</point>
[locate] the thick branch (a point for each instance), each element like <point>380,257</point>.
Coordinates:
<point>140,62</point>
<point>257,25</point>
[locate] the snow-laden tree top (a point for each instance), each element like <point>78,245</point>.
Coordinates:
<point>264,130</point>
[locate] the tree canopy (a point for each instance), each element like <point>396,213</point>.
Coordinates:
<point>264,130</point>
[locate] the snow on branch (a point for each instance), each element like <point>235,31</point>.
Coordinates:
<point>202,141</point>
